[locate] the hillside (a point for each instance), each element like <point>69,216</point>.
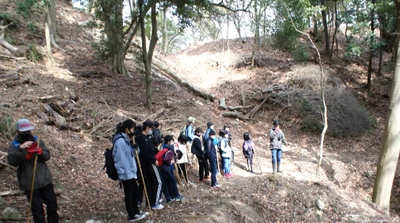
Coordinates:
<point>98,100</point>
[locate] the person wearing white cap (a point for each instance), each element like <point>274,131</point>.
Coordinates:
<point>21,154</point>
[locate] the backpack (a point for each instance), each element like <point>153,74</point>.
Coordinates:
<point>183,130</point>
<point>219,144</point>
<point>249,149</point>
<point>109,162</point>
<point>160,155</point>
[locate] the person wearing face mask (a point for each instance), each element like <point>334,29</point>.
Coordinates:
<point>149,164</point>
<point>21,154</point>
<point>211,152</point>
<point>125,163</point>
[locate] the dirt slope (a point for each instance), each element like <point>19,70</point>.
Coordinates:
<point>343,189</point>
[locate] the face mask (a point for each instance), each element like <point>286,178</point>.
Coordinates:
<point>131,134</point>
<point>212,127</point>
<point>150,132</point>
<point>171,143</point>
<point>26,137</point>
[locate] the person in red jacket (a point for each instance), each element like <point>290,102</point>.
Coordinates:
<point>22,154</point>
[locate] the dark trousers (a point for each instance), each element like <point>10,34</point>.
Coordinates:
<point>131,190</point>
<point>249,158</point>
<point>213,166</point>
<point>153,183</point>
<point>182,172</point>
<point>170,190</point>
<point>45,194</point>
<point>203,168</point>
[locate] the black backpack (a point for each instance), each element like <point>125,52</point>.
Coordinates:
<point>109,162</point>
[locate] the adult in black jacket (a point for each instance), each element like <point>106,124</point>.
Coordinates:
<point>149,165</point>
<point>200,154</point>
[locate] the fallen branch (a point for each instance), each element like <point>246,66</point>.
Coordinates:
<point>166,70</point>
<point>3,153</point>
<point>8,46</point>
<point>8,77</point>
<point>6,164</point>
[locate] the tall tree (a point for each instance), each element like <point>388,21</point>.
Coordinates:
<point>389,154</point>
<point>325,24</point>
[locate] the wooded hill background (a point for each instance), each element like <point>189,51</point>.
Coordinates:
<point>76,89</point>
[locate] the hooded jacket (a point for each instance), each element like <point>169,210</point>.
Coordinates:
<point>147,154</point>
<point>124,157</point>
<point>16,157</point>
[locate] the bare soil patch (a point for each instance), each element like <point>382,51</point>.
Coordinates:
<point>344,186</point>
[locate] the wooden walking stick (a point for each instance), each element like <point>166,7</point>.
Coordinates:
<point>186,186</point>
<point>141,174</point>
<point>33,177</point>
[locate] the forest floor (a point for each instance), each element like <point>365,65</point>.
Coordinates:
<point>341,192</point>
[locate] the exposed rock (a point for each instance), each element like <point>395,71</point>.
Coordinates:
<point>11,214</point>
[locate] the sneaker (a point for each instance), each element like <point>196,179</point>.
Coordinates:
<point>157,207</point>
<point>200,181</point>
<point>179,198</point>
<point>137,217</point>
<point>214,188</point>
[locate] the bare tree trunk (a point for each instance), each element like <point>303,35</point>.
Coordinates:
<point>326,30</point>
<point>371,50</point>
<point>334,33</point>
<point>380,61</point>
<point>256,33</point>
<point>389,154</point>
<point>164,31</point>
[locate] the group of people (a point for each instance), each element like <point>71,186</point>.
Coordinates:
<point>208,149</point>
<point>145,160</point>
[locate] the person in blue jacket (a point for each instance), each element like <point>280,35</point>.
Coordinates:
<point>125,163</point>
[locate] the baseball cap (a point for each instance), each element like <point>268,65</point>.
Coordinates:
<point>24,125</point>
<point>209,124</point>
<point>148,123</point>
<point>191,119</point>
<point>276,122</point>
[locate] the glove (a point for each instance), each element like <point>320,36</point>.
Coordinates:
<point>32,150</point>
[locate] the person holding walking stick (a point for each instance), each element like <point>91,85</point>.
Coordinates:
<point>125,163</point>
<point>30,155</point>
<point>149,165</point>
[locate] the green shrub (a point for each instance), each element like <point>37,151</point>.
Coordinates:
<point>300,53</point>
<point>31,27</point>
<point>34,54</point>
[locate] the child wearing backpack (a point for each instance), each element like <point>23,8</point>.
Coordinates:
<point>171,192</point>
<point>248,150</point>
<point>125,163</point>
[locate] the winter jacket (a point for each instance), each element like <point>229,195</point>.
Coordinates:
<point>197,146</point>
<point>185,153</point>
<point>225,148</point>
<point>147,154</point>
<point>16,157</point>
<point>190,133</point>
<point>248,147</point>
<point>276,138</point>
<point>124,157</point>
<point>209,149</point>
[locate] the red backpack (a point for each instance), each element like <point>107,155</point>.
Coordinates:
<point>159,156</point>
